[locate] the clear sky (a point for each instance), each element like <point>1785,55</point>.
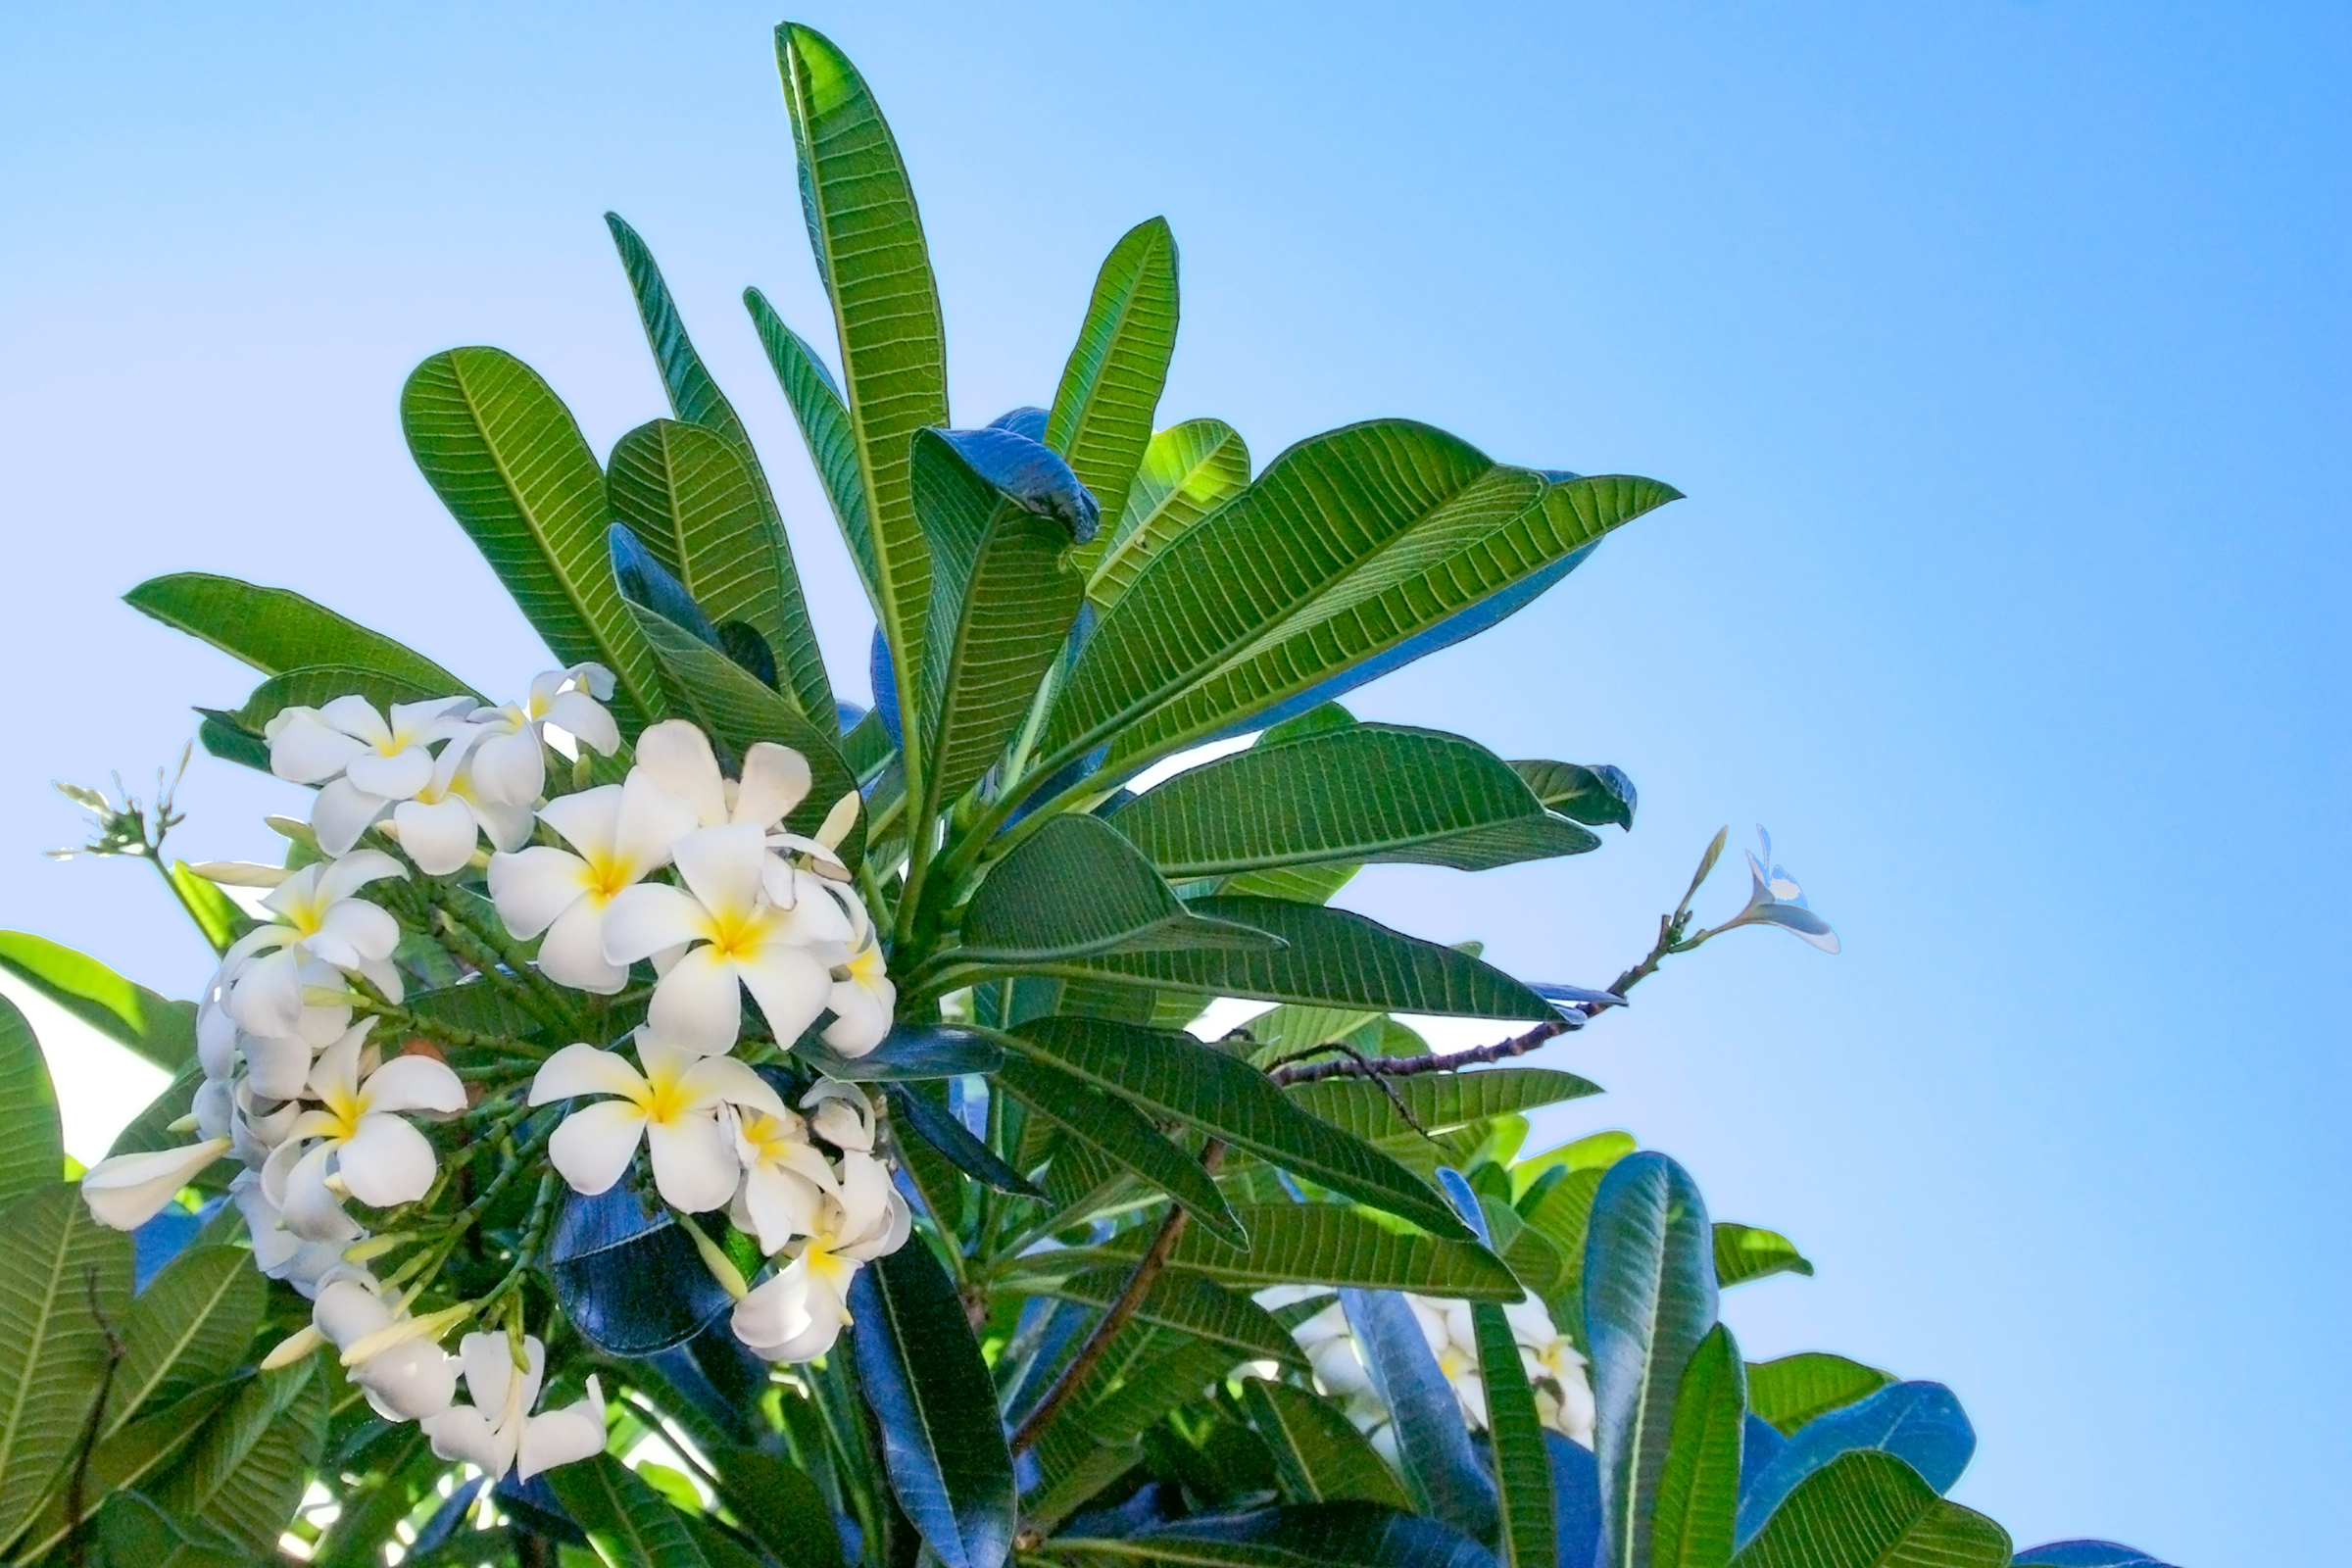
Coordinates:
<point>1999,347</point>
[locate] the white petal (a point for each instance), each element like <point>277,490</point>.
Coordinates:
<point>776,1311</point>
<point>775,779</point>
<point>560,1437</point>
<point>584,719</point>
<point>843,1124</point>
<point>532,886</point>
<point>694,1168</point>
<point>642,920</point>
<point>574,953</point>
<point>461,1432</point>
<point>385,1162</point>
<point>409,1382</point>
<point>353,872</point>
<point>593,1147</point>
<point>861,1020</point>
<point>489,1368</point>
<point>651,822</point>
<point>305,750</point>
<point>699,1005</point>
<point>676,756</point>
<point>511,767</point>
<point>278,1067</point>
<point>415,1083</point>
<point>395,777</point>
<point>336,1074</point>
<point>347,1311</point>
<point>582,1069</point>
<point>367,930</point>
<point>439,837</point>
<point>507,826</point>
<point>130,1190</point>
<point>266,999</point>
<point>310,1209</point>
<point>722,865</point>
<point>708,1080</point>
<point>593,678</point>
<point>864,1198</point>
<point>356,715</point>
<point>791,986</point>
<point>216,1035</point>
<point>781,1205</point>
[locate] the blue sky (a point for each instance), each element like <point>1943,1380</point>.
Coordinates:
<point>1999,348</point>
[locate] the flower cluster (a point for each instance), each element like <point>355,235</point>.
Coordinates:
<point>676,867</point>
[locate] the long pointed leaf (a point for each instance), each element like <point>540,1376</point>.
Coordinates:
<point>629,1525</point>
<point>1318,1453</point>
<point>1107,1123</point>
<point>1698,1491</point>
<point>1318,1534</point>
<point>1188,471</point>
<point>1075,889</point>
<point>59,1271</point>
<point>32,1151</point>
<point>1791,1390</point>
<point>277,629</point>
<point>1871,1510</point>
<point>1315,1244</point>
<point>1102,416</point>
<point>1194,1306</point>
<point>1440,1103</point>
<point>824,420</point>
<point>1920,1423</point>
<point>190,1327</point>
<point>244,1472</point>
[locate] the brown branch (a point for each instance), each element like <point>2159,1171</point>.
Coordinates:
<point>1377,1067</point>
<point>1117,1316</point>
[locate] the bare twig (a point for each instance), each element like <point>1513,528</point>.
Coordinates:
<point>1379,1067</point>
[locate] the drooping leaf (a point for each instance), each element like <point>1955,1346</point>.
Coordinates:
<point>868,244</point>
<point>1744,1253</point>
<point>1589,794</point>
<point>1319,1243</point>
<point>2085,1554</point>
<point>1102,416</point>
<point>244,1471</point>
<point>687,494</point>
<point>1439,1103</point>
<point>505,457</point>
<point>1331,957</point>
<point>629,1280</point>
<point>824,420</point>
<point>1649,1300</point>
<point>1794,1389</point>
<point>1871,1510</point>
<point>1312,1534</point>
<point>1194,1306</point>
<point>277,629</point>
<point>920,1368</point>
<point>953,1140</point>
<point>1174,1075</point>
<point>1076,890</point>
<point>32,1146</point>
<point>1698,1491</point>
<point>909,1052</point>
<point>1527,1529</point>
<point>219,921</point>
<point>735,710</point>
<point>1919,1423</point>
<point>61,1273</point>
<point>188,1328</point>
<point>695,398</point>
<point>1317,1451</point>
<point>1186,472</point>
<point>1377,792</point>
<point>1108,1124</point>
<point>628,1524</point>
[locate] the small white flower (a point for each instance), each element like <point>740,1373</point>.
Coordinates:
<point>676,756</point>
<point>319,921</point>
<point>1775,898</point>
<point>624,833</point>
<point>797,1313</point>
<point>362,760</point>
<point>439,825</point>
<point>130,1190</point>
<point>405,1374</point>
<point>785,1179</point>
<point>278,1253</point>
<point>511,759</point>
<point>498,1427</point>
<point>671,1107</point>
<point>377,1157</point>
<point>862,999</point>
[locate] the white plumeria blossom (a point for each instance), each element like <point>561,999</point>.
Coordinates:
<point>672,1107</point>
<point>862,999</point>
<point>1775,898</point>
<point>785,1179</point>
<point>497,1429</point>
<point>363,759</point>
<point>797,1313</point>
<point>677,756</point>
<point>321,921</point>
<point>130,1190</point>
<point>740,941</point>
<point>405,1376</point>
<point>620,834</point>
<point>278,1253</point>
<point>439,825</point>
<point>377,1157</point>
<point>232,1109</point>
<point>510,765</point>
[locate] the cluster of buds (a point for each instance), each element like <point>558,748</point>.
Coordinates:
<point>678,866</point>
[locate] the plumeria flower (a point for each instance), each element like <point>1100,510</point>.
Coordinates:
<point>319,921</point>
<point>1555,1370</point>
<point>362,760</point>
<point>741,942</point>
<point>862,997</point>
<point>377,1157</point>
<point>821,852</point>
<point>127,1190</point>
<point>671,1108</point>
<point>498,1428</point>
<point>841,1115</point>
<point>676,756</point>
<point>1775,898</point>
<point>278,1253</point>
<point>230,1109</point>
<point>797,1313</point>
<point>621,833</point>
<point>785,1179</point>
<point>439,824</point>
<point>388,1353</point>
<point>510,764</point>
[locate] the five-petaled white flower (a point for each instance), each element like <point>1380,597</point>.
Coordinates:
<point>796,1313</point>
<point>497,1429</point>
<point>1775,898</point>
<point>623,833</point>
<point>862,997</point>
<point>511,758</point>
<point>676,756</point>
<point>388,1353</point>
<point>785,1179</point>
<point>439,824</point>
<point>318,918</point>
<point>672,1107</point>
<point>362,760</point>
<point>741,941</point>
<point>378,1157</point>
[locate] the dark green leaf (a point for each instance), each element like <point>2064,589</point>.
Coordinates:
<point>1108,1124</point>
<point>188,1328</point>
<point>1745,1252</point>
<point>1791,1390</point>
<point>277,629</point>
<point>1698,1491</point>
<point>1194,1306</point>
<point>939,1128</point>
<point>628,1523</point>
<point>1186,472</point>
<point>150,1130</point>
<point>1438,1102</point>
<point>1175,1076</point>
<point>1593,794</point>
<point>61,1273</point>
<point>244,1472</point>
<point>1075,888</point>
<point>134,1530</point>
<point>1320,1244</point>
<point>910,1050</point>
<point>779,1506</point>
<point>1377,792</point>
<point>507,459</point>
<point>1317,1451</point>
<point>1871,1510</point>
<point>1522,1468</point>
<point>32,1151</point>
<point>920,1368</point>
<point>1318,1534</point>
<point>1102,416</point>
<point>144,1447</point>
<point>825,421</point>
<point>1425,1415</point>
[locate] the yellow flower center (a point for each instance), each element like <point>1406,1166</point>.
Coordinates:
<point>736,933</point>
<point>769,1138</point>
<point>604,876</point>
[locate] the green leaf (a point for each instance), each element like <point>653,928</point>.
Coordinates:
<point>1377,792</point>
<point>1175,1076</point>
<point>1295,1026</point>
<point>33,1148</point>
<point>1593,1152</point>
<point>277,629</point>
<point>398,1480</point>
<point>1194,1306</point>
<point>824,420</point>
<point>1869,1509</point>
<point>150,1129</point>
<point>1074,890</point>
<point>126,1459</point>
<point>1744,1253</point>
<point>1650,1299</point>
<point>132,1528</point>
<point>1102,416</point>
<point>1315,1535</point>
<point>779,1506</point>
<point>1438,1102</point>
<point>316,685</point>
<point>1150,1392</point>
<point>1318,1453</point>
<point>216,914</point>
<point>1111,1127</point>
<point>736,709</point>
<point>1794,1388</point>
<point>628,1524</point>
<point>1522,1468</point>
<point>60,1272</point>
<point>244,1472</point>
<point>1002,604</point>
<point>187,1329</point>
<point>1188,471</point>
<point>1331,957</point>
<point>1698,1491</point>
<point>1591,795</point>
<point>695,398</point>
<point>1318,1243</point>
<point>505,457</point>
<point>689,497</point>
<point>868,243</point>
